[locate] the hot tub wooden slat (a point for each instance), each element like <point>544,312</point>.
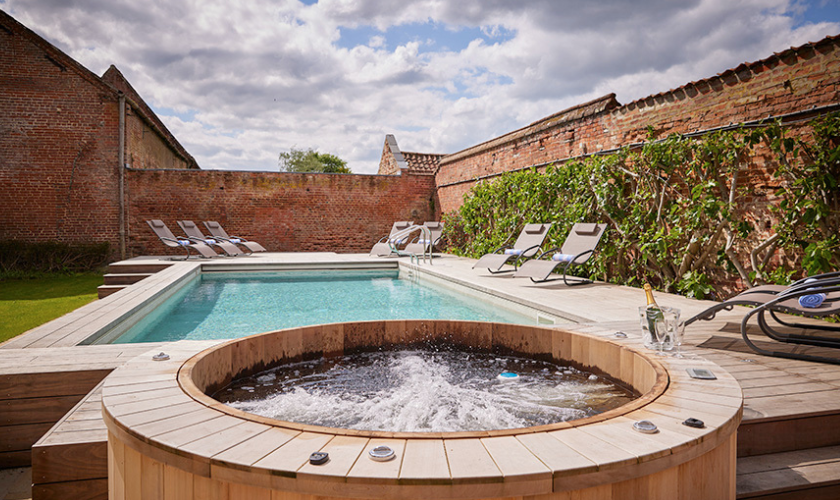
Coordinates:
<point>365,469</point>
<point>146,405</point>
<point>644,446</point>
<point>344,451</point>
<point>222,440</point>
<point>295,453</point>
<point>681,413</point>
<point>250,451</point>
<point>605,454</point>
<point>156,414</point>
<point>469,459</point>
<point>556,455</point>
<point>177,481</point>
<point>424,462</point>
<point>179,437</point>
<point>685,392</point>
<point>131,397</point>
<point>130,388</point>
<point>515,460</point>
<point>244,492</point>
<point>176,422</point>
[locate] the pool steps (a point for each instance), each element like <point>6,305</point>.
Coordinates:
<point>122,274</point>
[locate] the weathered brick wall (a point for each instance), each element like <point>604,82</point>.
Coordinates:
<point>792,81</point>
<point>145,148</point>
<point>285,212</point>
<point>58,145</point>
<point>387,162</point>
<point>149,144</point>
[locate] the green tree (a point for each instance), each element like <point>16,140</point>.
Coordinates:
<point>309,160</point>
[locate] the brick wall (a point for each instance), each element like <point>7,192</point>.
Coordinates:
<point>285,212</point>
<point>792,81</point>
<point>58,145</point>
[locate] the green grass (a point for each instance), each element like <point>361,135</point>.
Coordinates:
<point>27,303</point>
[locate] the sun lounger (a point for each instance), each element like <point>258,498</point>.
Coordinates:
<point>389,244</point>
<point>814,297</point>
<point>219,233</point>
<point>171,240</point>
<point>526,246</point>
<point>576,250</point>
<point>420,245</point>
<point>196,236</point>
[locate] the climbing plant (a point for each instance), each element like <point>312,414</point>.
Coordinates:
<point>680,209</point>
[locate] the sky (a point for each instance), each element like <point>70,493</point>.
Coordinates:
<point>240,82</point>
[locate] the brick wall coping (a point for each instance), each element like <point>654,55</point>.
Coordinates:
<point>575,113</point>
<point>787,119</point>
<point>743,71</point>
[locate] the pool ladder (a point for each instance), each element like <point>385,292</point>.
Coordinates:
<point>425,233</point>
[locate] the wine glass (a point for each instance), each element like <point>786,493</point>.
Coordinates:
<point>679,334</point>
<point>661,335</point>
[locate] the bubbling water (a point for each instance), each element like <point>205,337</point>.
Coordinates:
<point>411,390</point>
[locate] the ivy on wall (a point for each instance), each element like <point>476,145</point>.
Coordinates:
<point>681,210</point>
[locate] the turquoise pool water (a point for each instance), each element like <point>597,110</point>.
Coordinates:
<point>232,305</point>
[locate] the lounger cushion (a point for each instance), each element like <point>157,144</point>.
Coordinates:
<point>185,243</point>
<point>158,223</point>
<point>513,251</point>
<point>210,242</point>
<point>812,301</point>
<point>534,228</point>
<point>235,240</point>
<point>562,257</point>
<point>586,229</point>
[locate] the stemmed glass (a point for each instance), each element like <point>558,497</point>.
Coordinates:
<point>661,332</point>
<point>679,334</point>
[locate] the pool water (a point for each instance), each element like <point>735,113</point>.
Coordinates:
<point>424,390</point>
<point>233,305</point>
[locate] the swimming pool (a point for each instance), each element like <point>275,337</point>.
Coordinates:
<point>223,305</point>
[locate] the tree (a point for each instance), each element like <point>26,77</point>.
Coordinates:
<point>309,160</point>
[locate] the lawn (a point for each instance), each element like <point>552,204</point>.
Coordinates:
<point>27,303</point>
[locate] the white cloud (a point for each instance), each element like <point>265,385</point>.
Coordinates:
<point>245,81</point>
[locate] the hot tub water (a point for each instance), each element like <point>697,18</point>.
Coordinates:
<point>424,390</point>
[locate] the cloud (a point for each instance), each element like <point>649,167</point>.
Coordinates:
<point>240,83</point>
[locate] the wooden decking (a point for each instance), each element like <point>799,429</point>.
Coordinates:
<point>791,412</point>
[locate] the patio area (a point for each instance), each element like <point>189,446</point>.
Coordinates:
<point>788,441</point>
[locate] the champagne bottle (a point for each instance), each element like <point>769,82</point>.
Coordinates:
<point>655,317</point>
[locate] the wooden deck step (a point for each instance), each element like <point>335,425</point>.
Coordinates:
<point>38,386</point>
<point>124,278</point>
<point>106,290</point>
<point>72,456</point>
<point>812,474</point>
<point>132,266</point>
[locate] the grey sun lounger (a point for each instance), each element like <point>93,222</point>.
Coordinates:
<point>421,245</point>
<point>578,247</point>
<point>219,233</point>
<point>386,246</point>
<point>196,236</point>
<point>162,231</point>
<point>527,245</point>
<point>768,302</point>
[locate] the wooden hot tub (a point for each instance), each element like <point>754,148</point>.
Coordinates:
<point>168,439</point>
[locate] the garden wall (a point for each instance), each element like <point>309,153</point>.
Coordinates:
<point>793,81</point>
<point>285,212</point>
